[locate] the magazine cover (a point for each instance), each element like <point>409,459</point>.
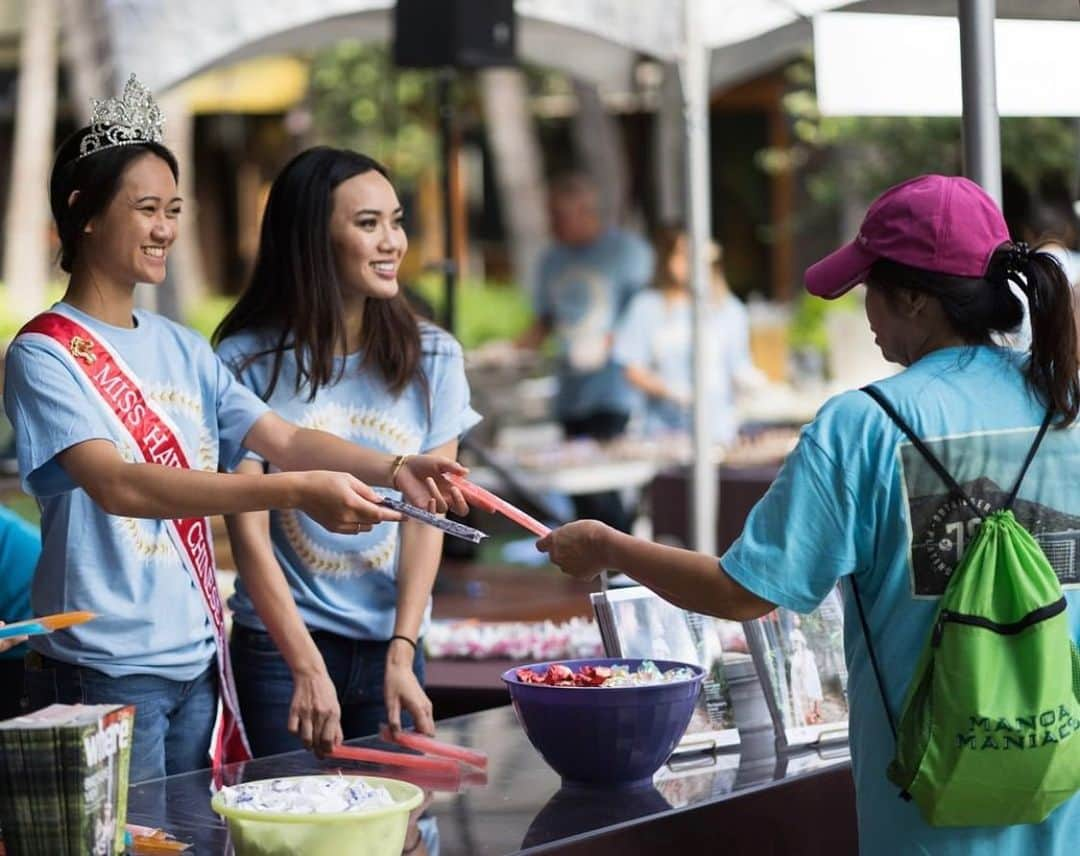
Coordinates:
<point>635,622</point>
<point>800,659</point>
<point>64,777</point>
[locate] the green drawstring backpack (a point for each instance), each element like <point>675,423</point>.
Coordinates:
<point>989,732</point>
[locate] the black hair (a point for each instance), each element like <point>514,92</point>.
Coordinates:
<point>97,177</point>
<point>979,307</point>
<point>294,292</point>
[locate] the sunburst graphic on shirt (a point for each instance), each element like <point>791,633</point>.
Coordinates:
<point>373,427</point>
<point>181,403</point>
<point>338,563</point>
<point>370,427</point>
<point>149,539</point>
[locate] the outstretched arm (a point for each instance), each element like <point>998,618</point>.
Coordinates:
<point>690,580</point>
<point>338,501</point>
<point>290,447</point>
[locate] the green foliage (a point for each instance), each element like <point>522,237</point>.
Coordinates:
<point>852,159</point>
<point>10,322</point>
<point>806,330</point>
<point>486,311</point>
<point>208,312</point>
<point>361,101</point>
<point>861,156</point>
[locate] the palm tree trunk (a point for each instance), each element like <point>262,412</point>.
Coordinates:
<point>26,229</point>
<point>518,163</point>
<point>599,147</point>
<point>82,49</point>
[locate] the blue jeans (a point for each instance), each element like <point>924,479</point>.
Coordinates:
<point>265,686</point>
<point>173,719</point>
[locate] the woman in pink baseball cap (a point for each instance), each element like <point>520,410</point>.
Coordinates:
<point>943,284</point>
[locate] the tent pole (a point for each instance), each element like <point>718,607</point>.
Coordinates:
<point>694,77</point>
<point>982,135</point>
<point>448,150</point>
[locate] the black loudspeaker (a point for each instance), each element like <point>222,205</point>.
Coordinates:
<point>458,33</point>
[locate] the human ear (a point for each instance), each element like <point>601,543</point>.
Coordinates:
<point>71,200</point>
<point>913,302</point>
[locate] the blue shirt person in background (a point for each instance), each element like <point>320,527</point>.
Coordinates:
<point>104,511</point>
<point>855,498</point>
<point>653,344</point>
<point>20,546</point>
<point>583,285</point>
<point>323,333</point>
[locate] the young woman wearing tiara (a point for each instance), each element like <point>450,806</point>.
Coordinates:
<point>323,334</point>
<point>123,420</point>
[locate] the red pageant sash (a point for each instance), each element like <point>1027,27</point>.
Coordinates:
<point>157,441</point>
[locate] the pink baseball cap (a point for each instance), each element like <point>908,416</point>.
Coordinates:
<point>941,223</point>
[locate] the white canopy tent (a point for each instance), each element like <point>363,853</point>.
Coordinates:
<point>168,41</point>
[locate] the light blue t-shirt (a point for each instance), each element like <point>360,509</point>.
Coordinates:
<point>657,334</point>
<point>347,584</point>
<point>151,615</point>
<point>20,546</point>
<point>583,291</point>
<point>855,497</point>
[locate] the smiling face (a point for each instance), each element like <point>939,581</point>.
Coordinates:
<point>367,236</point>
<point>129,241</point>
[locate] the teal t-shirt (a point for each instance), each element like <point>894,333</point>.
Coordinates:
<point>151,618</point>
<point>583,292</point>
<point>20,546</point>
<point>855,497</point>
<point>347,584</point>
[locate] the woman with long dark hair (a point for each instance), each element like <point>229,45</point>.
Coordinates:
<point>855,500</point>
<point>122,420</point>
<point>324,335</point>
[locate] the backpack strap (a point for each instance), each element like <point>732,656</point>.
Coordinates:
<point>873,656</point>
<point>923,450</point>
<point>1030,457</point>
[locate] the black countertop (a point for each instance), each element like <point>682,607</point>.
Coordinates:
<point>521,807</point>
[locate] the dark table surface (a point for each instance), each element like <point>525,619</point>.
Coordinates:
<point>521,807</point>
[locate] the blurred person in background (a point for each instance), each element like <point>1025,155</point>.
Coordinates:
<point>654,341</point>
<point>584,283</point>
<point>20,546</point>
<point>327,627</point>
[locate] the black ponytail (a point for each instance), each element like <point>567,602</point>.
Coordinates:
<point>980,307</point>
<point>1054,368</point>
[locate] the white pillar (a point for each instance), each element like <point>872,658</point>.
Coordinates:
<point>982,135</point>
<point>26,268</point>
<point>694,76</point>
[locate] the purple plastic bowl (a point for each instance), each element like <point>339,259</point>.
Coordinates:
<point>605,736</point>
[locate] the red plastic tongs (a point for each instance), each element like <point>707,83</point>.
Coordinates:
<point>489,502</point>
<point>437,758</point>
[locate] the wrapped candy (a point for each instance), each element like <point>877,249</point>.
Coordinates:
<point>618,675</point>
<point>307,795</point>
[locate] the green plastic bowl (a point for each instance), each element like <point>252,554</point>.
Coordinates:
<point>379,832</point>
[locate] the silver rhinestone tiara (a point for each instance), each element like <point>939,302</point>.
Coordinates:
<point>132,118</point>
